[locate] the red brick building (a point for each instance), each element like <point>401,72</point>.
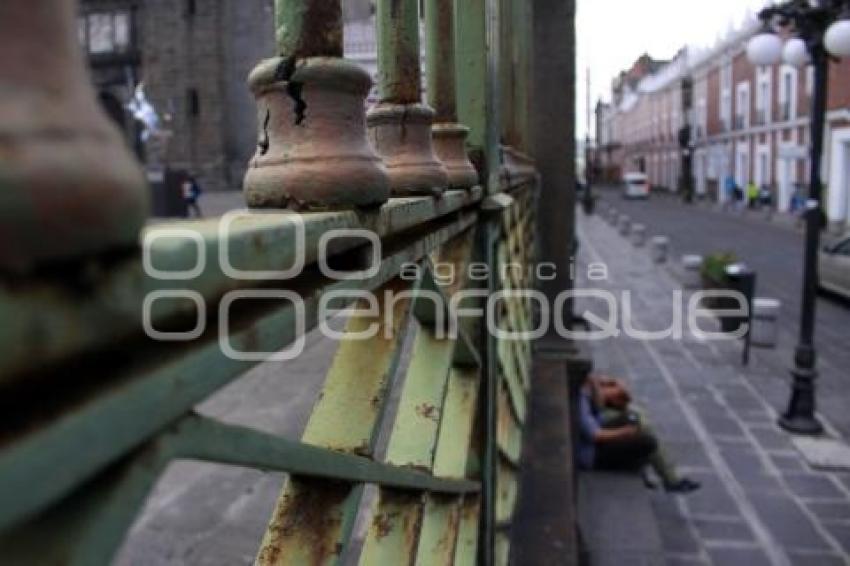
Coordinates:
<point>735,120</point>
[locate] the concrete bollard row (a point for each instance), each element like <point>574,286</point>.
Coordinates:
<point>638,235</point>
<point>691,271</point>
<point>659,249</point>
<point>624,224</point>
<point>765,322</point>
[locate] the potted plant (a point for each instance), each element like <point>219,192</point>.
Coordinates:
<point>714,278</point>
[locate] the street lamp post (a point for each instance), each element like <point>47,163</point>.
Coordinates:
<point>821,30</point>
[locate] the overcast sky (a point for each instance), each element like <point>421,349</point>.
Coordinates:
<point>611,34</point>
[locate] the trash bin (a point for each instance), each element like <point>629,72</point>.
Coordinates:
<point>691,271</point>
<point>765,321</point>
<point>742,279</point>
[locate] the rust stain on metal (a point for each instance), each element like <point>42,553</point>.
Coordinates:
<point>306,517</point>
<point>427,411</point>
<point>384,524</point>
<point>321,34</point>
<point>448,539</point>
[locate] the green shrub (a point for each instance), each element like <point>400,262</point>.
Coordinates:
<point>714,268</point>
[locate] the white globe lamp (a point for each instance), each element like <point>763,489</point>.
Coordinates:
<point>837,38</point>
<point>796,53</point>
<point>765,49</point>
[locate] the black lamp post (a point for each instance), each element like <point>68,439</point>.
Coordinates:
<point>819,30</point>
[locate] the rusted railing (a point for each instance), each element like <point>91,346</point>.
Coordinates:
<point>111,336</point>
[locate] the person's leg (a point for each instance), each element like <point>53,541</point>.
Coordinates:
<point>658,459</point>
<point>627,454</point>
<point>660,462</point>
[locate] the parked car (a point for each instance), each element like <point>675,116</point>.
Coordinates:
<point>834,266</point>
<point>635,185</point>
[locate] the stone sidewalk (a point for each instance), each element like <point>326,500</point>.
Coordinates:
<point>760,502</point>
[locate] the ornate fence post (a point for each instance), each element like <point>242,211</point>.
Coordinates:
<point>312,151</point>
<point>68,185</point>
<point>400,125</point>
<point>449,136</point>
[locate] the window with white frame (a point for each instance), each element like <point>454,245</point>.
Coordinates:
<point>742,106</point>
<point>702,118</point>
<point>726,95</point>
<point>105,32</point>
<point>788,93</point>
<point>763,97</point>
<point>763,171</point>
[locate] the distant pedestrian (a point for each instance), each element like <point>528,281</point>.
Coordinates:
<point>729,188</point>
<point>765,196</point>
<point>798,199</point>
<point>752,195</point>
<point>191,193</point>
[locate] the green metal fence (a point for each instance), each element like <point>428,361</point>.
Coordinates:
<point>94,409</point>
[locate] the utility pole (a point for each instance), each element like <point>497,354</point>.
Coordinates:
<point>587,200</point>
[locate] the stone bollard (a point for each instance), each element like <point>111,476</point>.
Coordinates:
<point>691,271</point>
<point>765,322</point>
<point>638,235</point>
<point>659,249</point>
<point>625,225</point>
<point>613,216</point>
<point>70,188</point>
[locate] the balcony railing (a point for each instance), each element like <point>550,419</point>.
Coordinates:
<point>113,333</point>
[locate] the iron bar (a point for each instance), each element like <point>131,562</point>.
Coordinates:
<point>308,28</point>
<point>399,73</point>
<point>440,59</point>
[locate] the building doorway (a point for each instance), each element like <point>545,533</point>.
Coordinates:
<point>786,173</point>
<point>742,166</point>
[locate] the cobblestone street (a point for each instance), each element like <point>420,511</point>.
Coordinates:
<point>760,502</point>
<point>775,252</point>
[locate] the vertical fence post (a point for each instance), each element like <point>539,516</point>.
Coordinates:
<point>70,187</point>
<point>506,74</point>
<point>477,55</point>
<point>312,151</point>
<point>400,125</point>
<point>449,136</point>
<point>523,34</point>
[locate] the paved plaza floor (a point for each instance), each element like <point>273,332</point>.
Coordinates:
<point>760,502</point>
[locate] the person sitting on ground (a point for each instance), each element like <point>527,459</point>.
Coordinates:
<point>614,436</point>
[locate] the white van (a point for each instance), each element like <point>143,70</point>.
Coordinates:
<point>635,185</point>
